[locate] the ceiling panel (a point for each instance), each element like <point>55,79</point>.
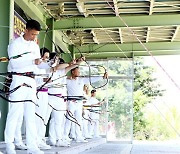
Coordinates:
<point>78,9</point>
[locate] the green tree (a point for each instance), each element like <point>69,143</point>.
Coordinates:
<point>146,89</point>
<point>120,91</point>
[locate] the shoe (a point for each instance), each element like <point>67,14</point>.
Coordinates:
<point>68,139</point>
<point>43,146</point>
<point>97,136</point>
<point>20,146</point>
<point>81,141</point>
<point>10,149</point>
<point>61,143</point>
<point>68,142</point>
<point>51,143</point>
<point>37,151</point>
<point>88,137</point>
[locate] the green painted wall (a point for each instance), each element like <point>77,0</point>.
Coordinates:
<point>4,41</point>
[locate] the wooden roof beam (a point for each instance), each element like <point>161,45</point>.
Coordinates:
<point>175,33</point>
<point>120,34</point>
<point>148,33</point>
<point>81,7</point>
<point>151,7</point>
<point>116,7</point>
<point>94,37</point>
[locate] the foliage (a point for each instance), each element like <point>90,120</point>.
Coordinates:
<point>120,92</point>
<point>163,126</point>
<point>146,89</point>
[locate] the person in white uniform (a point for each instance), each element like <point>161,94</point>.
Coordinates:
<point>94,115</point>
<point>24,55</point>
<point>57,106</point>
<point>75,88</point>
<point>19,145</point>
<point>42,101</point>
<point>86,114</point>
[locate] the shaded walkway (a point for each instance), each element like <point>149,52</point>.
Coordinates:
<point>136,148</point>
<point>75,148</point>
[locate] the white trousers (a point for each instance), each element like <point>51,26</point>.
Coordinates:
<point>18,133</point>
<point>72,130</point>
<point>17,110</point>
<point>94,126</point>
<point>57,124</point>
<point>42,101</point>
<point>86,124</point>
<point>76,109</point>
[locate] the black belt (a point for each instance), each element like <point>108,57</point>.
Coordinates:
<point>28,74</point>
<point>75,98</point>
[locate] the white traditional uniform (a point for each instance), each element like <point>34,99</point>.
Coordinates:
<point>23,64</point>
<point>94,126</point>
<point>57,103</point>
<point>41,111</point>
<point>86,118</point>
<point>18,136</point>
<point>75,88</point>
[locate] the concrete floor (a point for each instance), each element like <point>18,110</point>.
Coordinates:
<point>75,148</point>
<point>110,148</point>
<point>99,146</point>
<point>136,148</point>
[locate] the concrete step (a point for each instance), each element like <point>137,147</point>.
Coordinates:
<point>75,148</point>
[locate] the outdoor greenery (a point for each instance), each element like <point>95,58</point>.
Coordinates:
<point>151,120</point>
<point>120,91</point>
<point>146,89</point>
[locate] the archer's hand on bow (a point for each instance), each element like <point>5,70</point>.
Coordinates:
<point>105,75</point>
<point>37,61</point>
<point>79,60</point>
<point>73,62</point>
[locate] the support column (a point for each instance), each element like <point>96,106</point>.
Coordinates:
<point>71,49</point>
<point>46,37</point>
<point>6,31</point>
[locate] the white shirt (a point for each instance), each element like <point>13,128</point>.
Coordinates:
<point>39,80</point>
<point>56,75</point>
<point>93,101</point>
<point>26,62</point>
<point>75,86</point>
<point>86,101</point>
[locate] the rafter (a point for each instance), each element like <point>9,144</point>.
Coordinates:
<point>175,33</point>
<point>147,35</point>
<point>116,7</point>
<point>94,37</point>
<point>61,8</point>
<point>120,34</point>
<point>81,7</point>
<point>151,7</point>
